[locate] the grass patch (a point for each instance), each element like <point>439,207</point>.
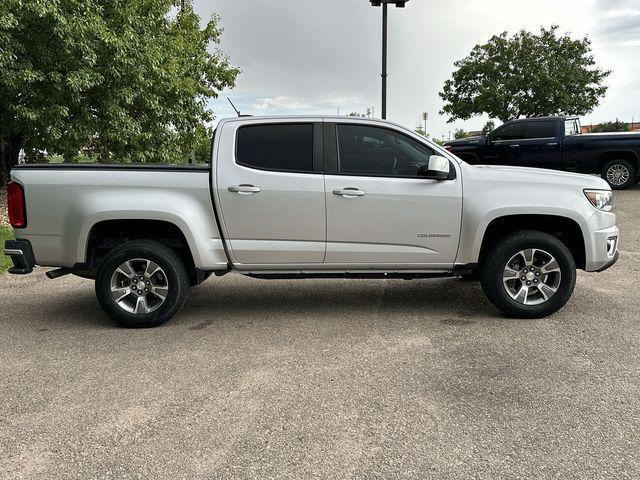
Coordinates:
<point>6,233</point>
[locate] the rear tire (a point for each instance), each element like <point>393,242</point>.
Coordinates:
<point>141,284</point>
<point>619,174</point>
<point>529,274</point>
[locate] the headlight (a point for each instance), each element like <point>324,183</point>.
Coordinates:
<point>601,199</point>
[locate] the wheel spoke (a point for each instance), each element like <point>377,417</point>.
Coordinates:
<point>126,269</point>
<point>550,267</point>
<point>141,306</point>
<point>528,256</point>
<point>151,269</point>
<point>522,295</point>
<point>120,292</point>
<point>160,292</point>
<point>509,274</point>
<point>546,291</point>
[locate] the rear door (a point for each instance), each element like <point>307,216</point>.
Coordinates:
<point>380,212</point>
<point>270,191</point>
<point>541,146</point>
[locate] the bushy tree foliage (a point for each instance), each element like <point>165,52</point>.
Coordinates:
<point>616,126</point>
<point>527,75</point>
<point>124,80</point>
<point>488,127</point>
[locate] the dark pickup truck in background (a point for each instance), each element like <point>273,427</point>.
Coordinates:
<point>556,143</point>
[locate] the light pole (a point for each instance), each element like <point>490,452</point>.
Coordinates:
<point>385,4</point>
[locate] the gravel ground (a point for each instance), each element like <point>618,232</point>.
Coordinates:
<point>325,379</point>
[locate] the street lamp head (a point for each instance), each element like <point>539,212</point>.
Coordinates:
<point>397,3</point>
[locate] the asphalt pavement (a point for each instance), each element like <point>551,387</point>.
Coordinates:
<point>325,379</point>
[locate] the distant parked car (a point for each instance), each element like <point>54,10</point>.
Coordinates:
<point>556,143</point>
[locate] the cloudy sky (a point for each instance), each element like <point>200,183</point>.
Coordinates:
<point>318,56</point>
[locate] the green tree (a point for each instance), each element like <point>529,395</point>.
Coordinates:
<point>488,127</point>
<point>616,126</point>
<point>526,74</point>
<point>460,133</point>
<point>122,80</point>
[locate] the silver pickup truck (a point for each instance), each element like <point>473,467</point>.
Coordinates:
<point>311,197</point>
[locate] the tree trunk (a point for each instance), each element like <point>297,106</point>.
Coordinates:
<point>10,156</point>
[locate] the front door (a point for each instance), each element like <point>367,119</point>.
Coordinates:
<point>272,194</point>
<point>504,145</point>
<point>541,148</point>
<point>379,211</point>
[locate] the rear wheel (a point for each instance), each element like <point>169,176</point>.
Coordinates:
<point>529,274</point>
<point>620,174</point>
<point>141,284</point>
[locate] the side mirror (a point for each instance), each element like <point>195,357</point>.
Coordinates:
<point>438,169</point>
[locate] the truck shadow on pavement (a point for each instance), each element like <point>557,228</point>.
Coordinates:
<point>448,301</point>
<point>451,302</point>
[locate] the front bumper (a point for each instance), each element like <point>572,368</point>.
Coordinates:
<point>603,252</point>
<point>21,255</point>
<point>610,264</point>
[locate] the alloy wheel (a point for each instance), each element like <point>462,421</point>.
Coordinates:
<point>618,174</point>
<point>532,276</point>
<point>139,286</point>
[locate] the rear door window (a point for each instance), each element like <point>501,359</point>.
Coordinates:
<point>276,147</point>
<point>541,129</point>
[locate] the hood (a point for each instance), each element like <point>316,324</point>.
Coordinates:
<point>542,175</point>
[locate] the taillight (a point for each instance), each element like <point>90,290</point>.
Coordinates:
<point>15,201</point>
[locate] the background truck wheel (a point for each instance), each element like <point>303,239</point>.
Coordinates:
<point>141,284</point>
<point>620,174</point>
<point>529,274</point>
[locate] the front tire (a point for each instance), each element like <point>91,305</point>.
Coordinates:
<point>619,174</point>
<point>529,274</point>
<point>141,284</point>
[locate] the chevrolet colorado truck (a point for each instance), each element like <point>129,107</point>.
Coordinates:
<point>311,197</point>
<point>556,143</point>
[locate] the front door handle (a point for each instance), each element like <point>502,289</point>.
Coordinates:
<point>349,192</point>
<point>553,144</point>
<point>245,189</point>
<point>514,146</point>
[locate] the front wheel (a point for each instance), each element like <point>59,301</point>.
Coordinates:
<point>619,174</point>
<point>141,284</point>
<point>529,274</point>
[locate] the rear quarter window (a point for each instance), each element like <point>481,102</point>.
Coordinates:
<point>276,147</point>
<point>541,129</point>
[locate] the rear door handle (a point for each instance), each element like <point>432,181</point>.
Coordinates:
<point>514,146</point>
<point>349,192</point>
<point>552,144</point>
<point>245,189</point>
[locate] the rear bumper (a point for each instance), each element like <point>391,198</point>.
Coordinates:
<point>21,255</point>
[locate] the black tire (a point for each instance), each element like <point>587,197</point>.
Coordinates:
<point>171,266</point>
<point>622,166</point>
<point>499,257</point>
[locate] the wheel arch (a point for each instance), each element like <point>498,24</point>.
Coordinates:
<point>629,155</point>
<point>566,229</point>
<point>105,235</point>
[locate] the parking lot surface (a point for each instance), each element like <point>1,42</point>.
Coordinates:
<point>325,379</point>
